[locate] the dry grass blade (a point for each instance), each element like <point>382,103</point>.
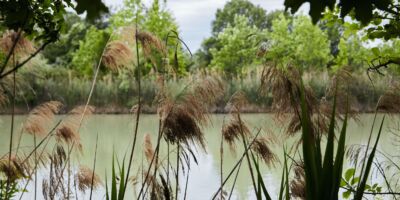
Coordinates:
<point>23,46</point>
<point>84,178</point>
<point>116,55</point>
<point>40,117</point>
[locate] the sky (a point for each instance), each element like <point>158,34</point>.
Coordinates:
<point>194,17</point>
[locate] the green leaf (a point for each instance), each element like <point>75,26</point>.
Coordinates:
<point>346,194</point>
<point>355,180</point>
<point>349,173</point>
<point>376,51</point>
<point>342,183</point>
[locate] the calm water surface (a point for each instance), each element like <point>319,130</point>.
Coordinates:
<point>115,135</point>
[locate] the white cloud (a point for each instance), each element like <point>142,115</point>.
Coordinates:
<point>194,16</point>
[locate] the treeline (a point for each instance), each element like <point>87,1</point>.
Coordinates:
<point>244,37</point>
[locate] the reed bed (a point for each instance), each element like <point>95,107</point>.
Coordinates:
<point>314,110</point>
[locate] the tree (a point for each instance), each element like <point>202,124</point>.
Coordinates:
<point>238,47</point>
<point>298,42</point>
<point>41,20</point>
<point>90,50</point>
<point>131,13</point>
<point>256,15</point>
<point>380,18</point>
<point>61,52</point>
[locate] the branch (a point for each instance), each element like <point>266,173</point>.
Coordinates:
<point>25,61</point>
<point>15,42</point>
<point>377,68</point>
<point>372,193</point>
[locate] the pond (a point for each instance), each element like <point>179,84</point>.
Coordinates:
<point>115,134</point>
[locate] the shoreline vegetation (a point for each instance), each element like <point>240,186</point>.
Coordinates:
<point>113,95</point>
<point>309,73</point>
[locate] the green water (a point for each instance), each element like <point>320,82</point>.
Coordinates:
<point>116,134</point>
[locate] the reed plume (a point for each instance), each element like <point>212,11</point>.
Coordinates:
<point>13,168</point>
<point>231,132</point>
<point>84,178</point>
<point>185,115</point>
<point>262,150</point>
<point>148,147</point>
<point>68,129</point>
<point>298,184</point>
<point>286,87</point>
<point>116,55</point>
<point>40,117</point>
<point>23,46</point>
<point>150,42</point>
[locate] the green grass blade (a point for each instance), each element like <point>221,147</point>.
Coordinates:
<point>309,152</point>
<point>338,166</point>
<point>122,183</point>
<point>282,188</point>
<point>107,194</point>
<point>261,181</point>
<point>328,158</point>
<point>287,196</point>
<point>360,189</point>
<point>113,182</point>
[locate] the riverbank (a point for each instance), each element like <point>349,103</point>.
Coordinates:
<point>146,109</point>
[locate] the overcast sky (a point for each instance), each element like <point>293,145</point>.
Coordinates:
<point>194,16</point>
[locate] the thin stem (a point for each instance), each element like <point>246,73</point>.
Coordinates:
<point>221,164</point>
<point>11,52</point>
<point>237,164</point>
<point>366,150</point>
<point>177,172</point>
<point>34,143</point>
<point>11,131</point>
<point>186,184</point>
<point>247,155</point>
<point>234,181</point>
<point>168,162</point>
<point>94,167</point>
<point>138,110</point>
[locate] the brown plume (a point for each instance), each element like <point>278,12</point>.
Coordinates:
<point>84,178</point>
<point>23,46</point>
<point>116,55</point>
<point>41,117</point>
<point>68,131</point>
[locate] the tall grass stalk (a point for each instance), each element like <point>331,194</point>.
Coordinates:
<point>11,129</point>
<point>138,106</point>
<point>177,172</point>
<point>94,167</point>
